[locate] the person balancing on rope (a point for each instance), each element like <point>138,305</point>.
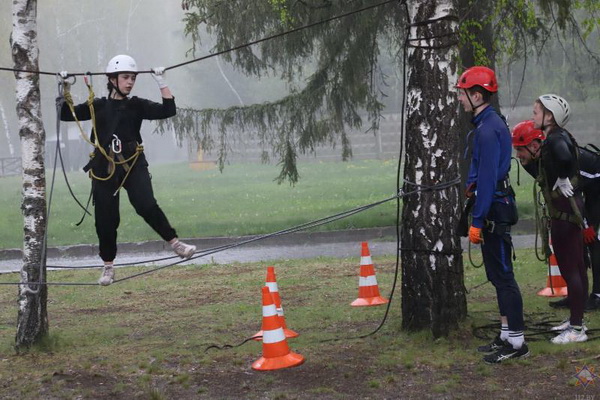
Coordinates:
<point>118,159</point>
<point>494,209</point>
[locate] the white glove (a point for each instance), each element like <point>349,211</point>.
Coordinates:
<point>159,76</point>
<point>63,74</point>
<point>564,187</point>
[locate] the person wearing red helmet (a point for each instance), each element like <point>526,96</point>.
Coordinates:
<point>559,179</point>
<point>527,141</point>
<point>494,209</point>
<point>118,159</point>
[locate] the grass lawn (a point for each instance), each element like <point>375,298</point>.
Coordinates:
<point>147,338</point>
<point>242,200</point>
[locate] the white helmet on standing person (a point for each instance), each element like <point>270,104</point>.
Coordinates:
<point>560,109</point>
<point>121,63</point>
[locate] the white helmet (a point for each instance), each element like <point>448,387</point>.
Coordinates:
<point>121,63</point>
<point>558,107</point>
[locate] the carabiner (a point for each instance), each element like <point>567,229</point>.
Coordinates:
<point>116,144</point>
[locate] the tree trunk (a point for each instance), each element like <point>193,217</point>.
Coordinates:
<point>433,293</point>
<point>32,321</point>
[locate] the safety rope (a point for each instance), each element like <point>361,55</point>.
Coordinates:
<point>533,329</point>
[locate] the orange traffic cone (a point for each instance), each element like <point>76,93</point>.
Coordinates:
<point>555,285</point>
<point>276,353</point>
<point>368,291</point>
<point>271,283</point>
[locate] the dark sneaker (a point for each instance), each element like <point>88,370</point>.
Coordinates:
<point>593,303</point>
<point>496,344</point>
<point>562,303</point>
<point>507,352</point>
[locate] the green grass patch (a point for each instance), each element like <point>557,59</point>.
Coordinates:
<point>242,200</point>
<point>149,337</point>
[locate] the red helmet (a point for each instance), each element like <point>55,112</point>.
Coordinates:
<point>524,133</point>
<point>478,76</point>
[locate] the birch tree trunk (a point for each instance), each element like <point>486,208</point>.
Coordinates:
<point>433,294</point>
<point>32,321</point>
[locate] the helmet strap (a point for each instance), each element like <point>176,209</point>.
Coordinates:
<point>115,87</point>
<point>473,107</point>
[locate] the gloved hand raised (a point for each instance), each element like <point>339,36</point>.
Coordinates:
<point>564,187</point>
<point>475,235</point>
<point>158,74</point>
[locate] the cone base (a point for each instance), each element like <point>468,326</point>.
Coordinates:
<point>288,334</point>
<point>548,292</point>
<point>269,364</point>
<point>369,301</point>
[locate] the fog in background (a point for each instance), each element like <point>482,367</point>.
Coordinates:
<point>80,36</point>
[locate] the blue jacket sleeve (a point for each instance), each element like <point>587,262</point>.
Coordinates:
<point>488,149</point>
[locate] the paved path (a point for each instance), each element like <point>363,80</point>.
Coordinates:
<point>338,244</point>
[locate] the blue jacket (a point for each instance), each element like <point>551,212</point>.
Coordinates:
<point>490,162</point>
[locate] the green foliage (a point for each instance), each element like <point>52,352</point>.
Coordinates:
<point>281,6</point>
<point>337,60</point>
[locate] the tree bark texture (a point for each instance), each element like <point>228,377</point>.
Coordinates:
<point>433,293</point>
<point>32,320</point>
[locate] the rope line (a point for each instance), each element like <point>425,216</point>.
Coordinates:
<point>235,48</point>
<point>297,228</point>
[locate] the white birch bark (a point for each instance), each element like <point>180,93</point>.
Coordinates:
<point>32,321</point>
<point>433,294</point>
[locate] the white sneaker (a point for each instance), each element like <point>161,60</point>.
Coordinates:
<point>570,335</point>
<point>183,250</point>
<point>108,275</point>
<point>566,324</point>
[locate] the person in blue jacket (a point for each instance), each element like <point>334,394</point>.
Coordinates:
<point>494,209</point>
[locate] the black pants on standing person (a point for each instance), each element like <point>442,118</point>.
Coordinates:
<point>138,185</point>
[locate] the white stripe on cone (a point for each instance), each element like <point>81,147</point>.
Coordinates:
<point>367,280</point>
<point>554,270</point>
<point>274,336</point>
<point>272,286</point>
<point>269,311</point>
<point>365,260</point>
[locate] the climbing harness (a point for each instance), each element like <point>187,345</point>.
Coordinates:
<point>114,156</point>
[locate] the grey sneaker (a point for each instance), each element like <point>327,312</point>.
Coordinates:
<point>183,250</point>
<point>108,275</point>
<point>570,335</point>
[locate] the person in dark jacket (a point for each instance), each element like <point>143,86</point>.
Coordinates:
<point>118,160</point>
<point>527,142</point>
<point>559,179</point>
<point>494,209</point>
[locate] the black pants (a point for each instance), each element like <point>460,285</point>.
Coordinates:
<point>567,242</point>
<point>497,258</point>
<point>141,196</point>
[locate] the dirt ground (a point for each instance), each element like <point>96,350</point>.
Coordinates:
<point>339,375</point>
